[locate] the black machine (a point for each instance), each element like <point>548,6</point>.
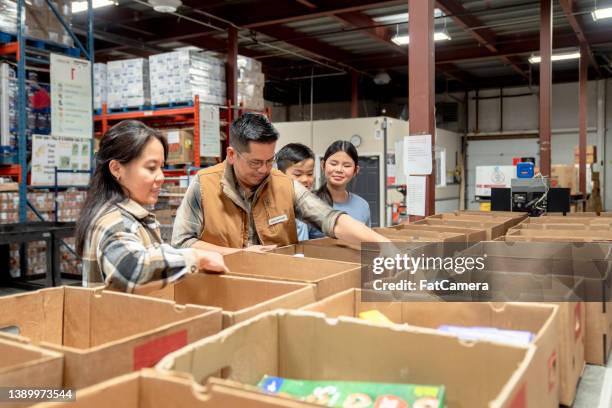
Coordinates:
<point>531,195</point>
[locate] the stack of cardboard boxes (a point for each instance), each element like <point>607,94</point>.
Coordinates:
<point>128,83</point>
<point>177,77</point>
<point>100,79</point>
<point>40,22</point>
<point>251,81</point>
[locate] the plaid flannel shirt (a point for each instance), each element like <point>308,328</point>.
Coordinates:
<point>125,251</point>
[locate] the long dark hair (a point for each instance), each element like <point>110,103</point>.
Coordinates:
<point>338,146</point>
<point>123,142</point>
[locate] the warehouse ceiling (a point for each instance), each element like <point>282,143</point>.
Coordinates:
<point>324,40</point>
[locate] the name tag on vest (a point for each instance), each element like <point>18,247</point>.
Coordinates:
<point>278,220</point>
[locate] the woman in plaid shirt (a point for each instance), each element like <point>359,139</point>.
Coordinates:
<point>118,239</point>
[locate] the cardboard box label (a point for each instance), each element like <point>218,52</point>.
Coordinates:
<point>552,371</point>
<point>148,354</point>
<point>520,399</point>
<point>578,325</point>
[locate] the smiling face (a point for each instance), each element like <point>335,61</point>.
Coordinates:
<point>143,177</point>
<point>339,169</point>
<point>303,172</point>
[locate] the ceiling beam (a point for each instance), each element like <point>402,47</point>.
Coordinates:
<point>520,45</point>
<point>568,9</point>
<point>485,36</point>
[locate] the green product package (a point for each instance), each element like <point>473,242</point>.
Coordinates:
<point>356,394</point>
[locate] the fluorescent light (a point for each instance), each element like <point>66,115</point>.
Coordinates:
<point>600,14</point>
<point>557,57</point>
<point>400,17</point>
<point>80,6</point>
<point>405,39</point>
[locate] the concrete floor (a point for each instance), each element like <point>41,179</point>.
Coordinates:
<point>594,389</point>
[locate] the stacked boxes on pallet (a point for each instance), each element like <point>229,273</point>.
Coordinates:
<point>251,83</point>
<point>128,83</point>
<point>40,22</point>
<point>177,77</point>
<point>100,85</point>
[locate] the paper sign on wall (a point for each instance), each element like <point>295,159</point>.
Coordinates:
<point>210,144</point>
<point>71,107</point>
<point>415,196</point>
<point>65,153</point>
<point>417,154</point>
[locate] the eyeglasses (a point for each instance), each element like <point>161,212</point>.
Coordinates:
<point>256,164</point>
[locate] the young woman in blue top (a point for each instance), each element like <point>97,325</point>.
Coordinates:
<point>340,165</point>
<point>297,161</point>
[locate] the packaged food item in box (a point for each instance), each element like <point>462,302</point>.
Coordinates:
<point>374,316</point>
<point>356,394</point>
<point>517,337</point>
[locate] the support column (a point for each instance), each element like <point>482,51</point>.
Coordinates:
<point>354,94</point>
<point>545,84</point>
<point>582,117</point>
<point>421,74</point>
<point>232,65</point>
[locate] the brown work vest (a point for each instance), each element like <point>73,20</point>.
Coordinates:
<point>226,223</point>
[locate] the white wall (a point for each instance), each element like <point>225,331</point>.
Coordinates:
<point>520,115</point>
<point>319,134</point>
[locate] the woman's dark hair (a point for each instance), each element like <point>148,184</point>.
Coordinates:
<point>123,142</point>
<point>338,146</point>
<point>291,154</point>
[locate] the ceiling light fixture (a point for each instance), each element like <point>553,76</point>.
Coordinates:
<point>80,6</point>
<point>405,39</point>
<point>400,17</point>
<point>165,6</point>
<point>536,59</point>
<point>600,14</point>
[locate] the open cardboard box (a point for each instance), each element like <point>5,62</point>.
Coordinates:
<point>305,345</point>
<point>548,235</point>
<point>421,235</point>
<point>329,277</point>
<point>103,334</point>
<point>151,389</point>
<point>592,261</point>
<point>337,250</point>
<point>508,214</point>
<point>239,297</point>
<point>471,234</point>
<point>23,365</point>
<point>573,219</point>
<point>541,320</point>
<point>493,228</point>
<point>506,222</point>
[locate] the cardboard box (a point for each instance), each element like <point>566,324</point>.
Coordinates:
<point>24,365</point>
<point>507,221</point>
<point>104,334</point>
<point>151,389</point>
<point>542,320</point>
<point>591,154</point>
<point>548,235</point>
<point>471,234</point>
<point>180,145</point>
<point>574,218</point>
<point>329,277</point>
<point>240,297</point>
<point>421,235</point>
<point>565,228</point>
<point>590,261</point>
<point>564,175</point>
<point>305,345</point>
<point>493,229</point>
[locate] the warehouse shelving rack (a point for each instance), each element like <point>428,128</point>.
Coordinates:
<point>175,116</point>
<point>25,49</point>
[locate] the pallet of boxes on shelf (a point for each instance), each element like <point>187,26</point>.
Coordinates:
<point>40,21</point>
<point>251,83</point>
<point>69,207</point>
<point>177,77</point>
<point>128,83</point>
<point>100,79</point>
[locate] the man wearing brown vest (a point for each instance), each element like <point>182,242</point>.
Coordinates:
<point>245,203</point>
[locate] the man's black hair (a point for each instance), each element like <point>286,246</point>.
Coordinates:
<point>251,127</point>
